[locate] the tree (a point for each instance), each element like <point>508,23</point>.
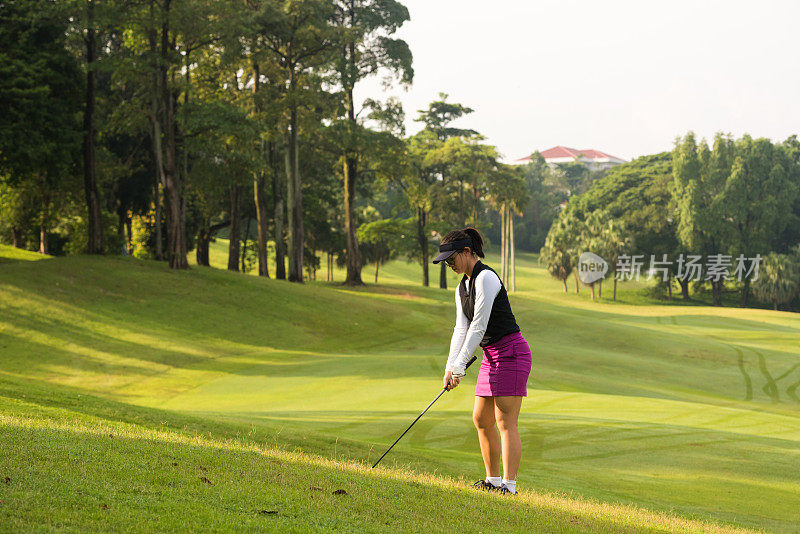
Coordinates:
<point>791,234</point>
<point>268,100</point>
<point>90,26</point>
<point>440,114</point>
<point>382,235</point>
<point>366,46</point>
<point>778,279</point>
<point>418,185</point>
<point>299,36</point>
<point>608,238</point>
<point>638,199</point>
<point>544,203</point>
<point>700,175</point>
<point>757,194</point>
<point>322,198</point>
<point>165,39</point>
<point>17,211</point>
<point>557,254</point>
<point>459,146</point>
<point>40,91</point>
<point>508,195</point>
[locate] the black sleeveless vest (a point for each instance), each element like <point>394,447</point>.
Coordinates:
<point>501,320</point>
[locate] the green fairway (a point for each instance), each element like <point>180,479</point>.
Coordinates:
<point>122,383</point>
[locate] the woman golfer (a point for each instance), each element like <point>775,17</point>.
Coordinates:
<point>484,317</point>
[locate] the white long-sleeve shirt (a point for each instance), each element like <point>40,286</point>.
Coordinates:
<point>467,335</point>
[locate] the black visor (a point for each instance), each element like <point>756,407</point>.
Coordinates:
<point>448,249</point>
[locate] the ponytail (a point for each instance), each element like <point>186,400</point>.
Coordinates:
<point>477,241</point>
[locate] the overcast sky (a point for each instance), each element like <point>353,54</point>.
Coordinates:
<point>624,77</point>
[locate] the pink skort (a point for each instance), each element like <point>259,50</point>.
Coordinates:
<point>505,368</point>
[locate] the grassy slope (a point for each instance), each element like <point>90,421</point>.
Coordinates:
<point>631,404</point>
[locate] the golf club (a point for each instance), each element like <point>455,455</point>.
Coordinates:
<point>417,419</point>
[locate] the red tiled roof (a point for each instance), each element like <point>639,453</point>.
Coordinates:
<point>566,152</point>
<point>560,152</point>
<point>595,154</point>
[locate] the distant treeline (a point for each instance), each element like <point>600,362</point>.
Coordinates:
<point>736,197</point>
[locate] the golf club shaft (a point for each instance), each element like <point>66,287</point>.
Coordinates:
<point>418,417</point>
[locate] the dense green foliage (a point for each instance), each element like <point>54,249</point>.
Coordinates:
<point>199,117</point>
<point>739,197</point>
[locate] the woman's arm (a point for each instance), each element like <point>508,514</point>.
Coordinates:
<point>459,333</point>
<point>487,286</point>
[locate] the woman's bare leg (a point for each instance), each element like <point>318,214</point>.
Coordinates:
<point>507,415</point>
<point>483,417</point>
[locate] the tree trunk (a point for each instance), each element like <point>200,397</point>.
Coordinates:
<point>294,197</point>
<point>442,275</point>
<point>513,254</point>
<point>260,199</point>
<point>462,212</point>
<point>121,212</point>
<point>159,252</point>
<point>507,262</point>
<point>615,289</point>
<point>577,285</point>
<point>353,277</point>
<point>245,239</point>
<point>745,292</point>
<point>96,239</point>
<point>128,234</point>
<point>291,231</point>
<point>669,285</point>
<point>600,288</point>
<point>185,151</point>
<point>377,264</point>
<point>259,195</point>
<point>349,58</point>
<point>503,243</point>
<point>42,236</point>
<point>233,234</point>
<point>278,211</point>
<point>16,237</point>
<point>564,281</point>
<point>203,242</point>
<point>422,241</point>
<point>155,133</point>
<point>43,221</point>
<point>716,293</point>
<point>684,283</point>
<point>176,228</point>
<point>120,223</point>
<point>475,199</point>
<point>592,285</point>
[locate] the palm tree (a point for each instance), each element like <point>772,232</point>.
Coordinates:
<point>777,280</point>
<point>558,253</point>
<point>508,195</point>
<point>606,237</point>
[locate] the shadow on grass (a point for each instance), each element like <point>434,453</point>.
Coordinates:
<point>379,336</point>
